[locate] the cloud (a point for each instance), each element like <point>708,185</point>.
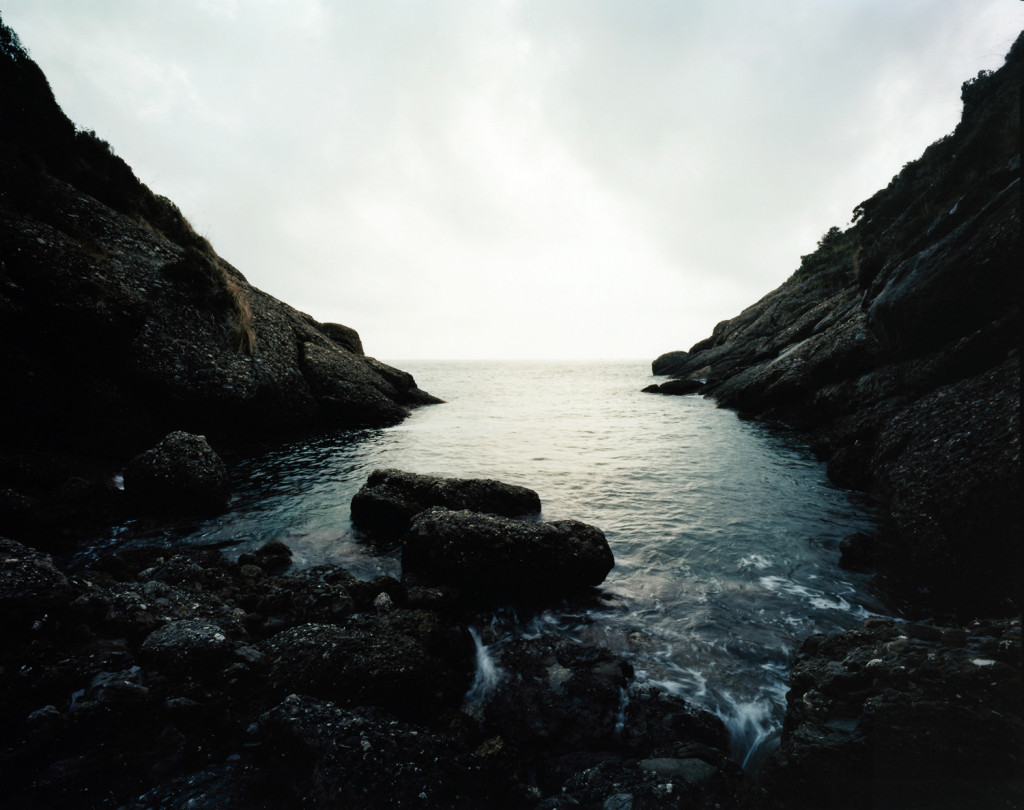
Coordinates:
<point>520,178</point>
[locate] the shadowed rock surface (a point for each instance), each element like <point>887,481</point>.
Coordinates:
<point>154,679</point>
<point>385,505</point>
<point>181,473</point>
<point>491,559</point>
<point>896,346</point>
<point>904,716</point>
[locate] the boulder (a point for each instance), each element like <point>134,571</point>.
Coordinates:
<point>385,505</point>
<point>187,645</point>
<point>491,558</point>
<point>181,474</point>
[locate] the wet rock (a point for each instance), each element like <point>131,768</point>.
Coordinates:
<point>675,387</point>
<point>386,504</point>
<point>33,590</point>
<point>181,474</point>
<point>320,594</point>
<point>903,715</point>
<point>273,557</point>
<point>858,551</point>
<point>185,644</point>
<point>492,558</point>
<point>565,708</point>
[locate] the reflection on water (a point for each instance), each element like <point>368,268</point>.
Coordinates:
<point>725,533</point>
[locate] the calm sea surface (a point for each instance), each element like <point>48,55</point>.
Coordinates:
<point>725,532</point>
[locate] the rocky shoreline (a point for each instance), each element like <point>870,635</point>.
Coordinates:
<point>896,348</point>
<point>154,678</point>
<point>151,678</point>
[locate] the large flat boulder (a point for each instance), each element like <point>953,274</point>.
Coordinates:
<point>388,501</point>
<point>489,558</point>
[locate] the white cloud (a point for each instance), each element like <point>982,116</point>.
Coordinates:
<point>516,179</point>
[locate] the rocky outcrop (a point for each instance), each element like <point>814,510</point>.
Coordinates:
<point>896,347</point>
<point>904,715</point>
<point>495,559</point>
<point>120,324</point>
<point>385,505</point>
<point>158,679</point>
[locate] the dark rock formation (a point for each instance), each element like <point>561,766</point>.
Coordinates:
<point>676,387</point>
<point>896,346</point>
<point>120,324</point>
<point>365,757</point>
<point>386,504</point>
<point>904,715</point>
<point>149,680</point>
<point>182,473</point>
<point>492,558</point>
<point>669,362</point>
<point>574,717</point>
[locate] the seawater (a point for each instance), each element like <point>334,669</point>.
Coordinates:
<point>725,532</point>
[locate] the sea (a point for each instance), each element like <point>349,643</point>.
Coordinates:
<point>725,531</point>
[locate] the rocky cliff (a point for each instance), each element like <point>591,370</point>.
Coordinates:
<point>896,346</point>
<point>119,323</point>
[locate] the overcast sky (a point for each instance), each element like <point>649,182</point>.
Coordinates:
<point>516,178</point>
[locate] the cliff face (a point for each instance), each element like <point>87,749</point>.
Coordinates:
<point>896,345</point>
<point>119,323</point>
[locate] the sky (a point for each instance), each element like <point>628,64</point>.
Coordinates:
<point>516,179</point>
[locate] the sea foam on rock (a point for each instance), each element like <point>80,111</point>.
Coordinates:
<point>385,505</point>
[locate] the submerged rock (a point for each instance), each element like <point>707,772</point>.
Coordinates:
<point>181,474</point>
<point>385,505</point>
<point>490,558</point>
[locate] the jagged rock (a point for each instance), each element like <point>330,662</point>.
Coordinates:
<point>386,503</point>
<point>182,473</point>
<point>904,715</point>
<point>494,558</point>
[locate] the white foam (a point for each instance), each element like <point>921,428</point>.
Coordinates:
<point>488,676</point>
